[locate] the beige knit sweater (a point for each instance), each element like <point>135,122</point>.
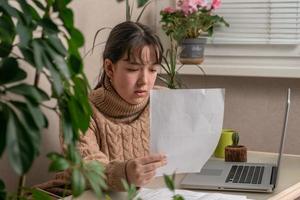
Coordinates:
<point>118,132</point>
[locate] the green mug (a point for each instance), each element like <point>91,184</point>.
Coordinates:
<point>225,140</point>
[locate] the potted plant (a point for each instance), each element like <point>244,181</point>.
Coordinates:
<point>42,35</point>
<point>190,24</point>
<point>169,66</point>
<point>235,152</point>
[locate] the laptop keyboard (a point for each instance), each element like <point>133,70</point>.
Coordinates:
<point>245,174</point>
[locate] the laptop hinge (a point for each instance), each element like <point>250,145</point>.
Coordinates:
<point>273,176</point>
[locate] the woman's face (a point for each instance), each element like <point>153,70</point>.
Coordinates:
<point>133,79</point>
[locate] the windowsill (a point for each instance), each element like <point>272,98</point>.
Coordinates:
<point>249,71</point>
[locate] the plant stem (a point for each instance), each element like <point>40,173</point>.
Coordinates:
<point>37,79</point>
<point>128,17</point>
<point>2,89</point>
<point>21,184</point>
<point>55,109</point>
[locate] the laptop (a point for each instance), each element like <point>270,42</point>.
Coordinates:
<point>237,176</point>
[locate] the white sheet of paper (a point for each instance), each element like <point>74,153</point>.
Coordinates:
<point>166,194</point>
<point>185,124</point>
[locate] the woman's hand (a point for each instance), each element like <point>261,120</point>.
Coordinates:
<point>141,170</point>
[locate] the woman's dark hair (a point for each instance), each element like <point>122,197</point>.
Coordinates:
<point>126,38</point>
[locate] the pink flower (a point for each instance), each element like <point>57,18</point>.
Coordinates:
<point>200,3</point>
<point>215,4</point>
<point>189,6</point>
<point>169,10</point>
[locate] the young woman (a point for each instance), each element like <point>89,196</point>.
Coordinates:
<point>118,135</point>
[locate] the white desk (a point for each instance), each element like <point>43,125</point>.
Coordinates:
<point>288,187</point>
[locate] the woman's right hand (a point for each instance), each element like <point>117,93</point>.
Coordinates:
<point>141,170</point>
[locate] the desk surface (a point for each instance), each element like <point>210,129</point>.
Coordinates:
<point>288,187</point>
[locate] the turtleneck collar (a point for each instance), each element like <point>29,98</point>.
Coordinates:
<point>111,104</point>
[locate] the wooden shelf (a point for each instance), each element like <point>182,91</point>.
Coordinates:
<point>248,71</point>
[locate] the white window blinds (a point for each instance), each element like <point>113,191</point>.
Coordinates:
<point>259,22</point>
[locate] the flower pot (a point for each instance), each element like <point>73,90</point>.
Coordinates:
<point>235,153</point>
<point>224,141</point>
<point>192,50</point>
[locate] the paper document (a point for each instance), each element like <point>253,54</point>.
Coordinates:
<point>166,194</point>
<point>185,124</point>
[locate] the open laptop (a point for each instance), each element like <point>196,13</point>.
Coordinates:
<point>236,176</point>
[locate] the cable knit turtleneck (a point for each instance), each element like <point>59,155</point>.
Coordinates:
<point>118,132</point>
<point>109,102</point>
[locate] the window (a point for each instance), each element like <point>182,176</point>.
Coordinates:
<point>260,22</point>
<point>262,40</point>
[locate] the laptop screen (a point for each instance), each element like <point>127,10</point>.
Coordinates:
<point>283,135</point>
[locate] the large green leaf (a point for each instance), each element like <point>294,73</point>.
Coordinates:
<point>56,43</point>
<point>59,164</point>
<point>78,182</point>
<point>178,197</point>
<point>95,182</point>
<point>38,194</point>
<point>67,128</point>
<point>130,189</point>
<point>169,182</point>
<point>58,61</point>
<point>5,49</point>
<point>25,34</point>
<point>31,112</point>
<point>94,172</point>
<point>20,151</point>
<point>10,71</point>
<point>39,4</point>
<point>76,112</point>
<point>39,117</point>
<point>96,167</point>
<point>80,104</point>
<point>59,5</point>
<point>49,26</point>
<point>73,155</point>
<point>75,64</point>
<point>7,33</point>
<point>67,18</point>
<point>26,12</point>
<point>31,15</point>
<point>27,54</point>
<point>50,3</point>
<point>73,49</point>
<point>81,94</point>
<point>9,9</point>
<point>33,120</point>
<point>56,81</point>
<point>29,91</point>
<point>77,37</point>
<point>38,54</point>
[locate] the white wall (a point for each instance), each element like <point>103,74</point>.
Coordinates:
<point>255,108</point>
